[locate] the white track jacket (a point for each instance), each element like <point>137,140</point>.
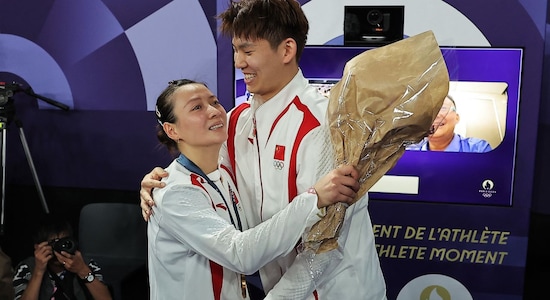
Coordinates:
<point>278,150</point>
<point>195,252</point>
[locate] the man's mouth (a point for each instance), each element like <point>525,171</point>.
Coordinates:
<point>248,77</point>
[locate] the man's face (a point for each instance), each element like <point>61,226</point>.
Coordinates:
<point>262,66</point>
<point>446,120</point>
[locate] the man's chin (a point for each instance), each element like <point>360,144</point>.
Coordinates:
<point>55,262</point>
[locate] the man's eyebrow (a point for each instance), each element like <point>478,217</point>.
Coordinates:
<point>243,45</point>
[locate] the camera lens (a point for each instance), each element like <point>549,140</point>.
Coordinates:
<point>374,17</point>
<point>66,244</point>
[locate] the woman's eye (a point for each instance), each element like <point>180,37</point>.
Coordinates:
<point>196,107</point>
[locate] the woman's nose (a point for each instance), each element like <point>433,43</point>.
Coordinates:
<point>214,111</point>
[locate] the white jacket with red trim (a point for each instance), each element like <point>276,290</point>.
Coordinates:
<point>278,150</point>
<point>195,252</point>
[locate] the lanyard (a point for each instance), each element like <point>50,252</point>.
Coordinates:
<point>191,166</point>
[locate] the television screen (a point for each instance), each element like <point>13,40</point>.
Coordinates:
<point>478,166</point>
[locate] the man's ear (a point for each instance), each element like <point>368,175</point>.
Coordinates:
<point>290,48</point>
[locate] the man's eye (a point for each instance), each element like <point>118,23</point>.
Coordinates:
<point>196,107</point>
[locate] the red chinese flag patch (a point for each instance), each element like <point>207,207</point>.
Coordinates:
<point>279,153</point>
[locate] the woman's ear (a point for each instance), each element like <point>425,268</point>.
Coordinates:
<point>170,130</point>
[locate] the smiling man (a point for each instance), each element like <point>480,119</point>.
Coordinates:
<point>445,139</point>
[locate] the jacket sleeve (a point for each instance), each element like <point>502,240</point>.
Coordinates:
<point>188,216</point>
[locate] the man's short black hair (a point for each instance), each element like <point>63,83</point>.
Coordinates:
<point>50,225</point>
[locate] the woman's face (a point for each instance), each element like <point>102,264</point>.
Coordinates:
<point>200,118</point>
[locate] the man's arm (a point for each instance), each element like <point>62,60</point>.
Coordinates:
<point>74,263</point>
<point>29,290</point>
<point>150,181</point>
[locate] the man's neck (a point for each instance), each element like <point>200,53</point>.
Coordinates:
<point>261,99</point>
<point>439,144</point>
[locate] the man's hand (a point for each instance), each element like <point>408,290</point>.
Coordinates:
<point>43,252</point>
<point>339,185</point>
<point>150,181</point>
<point>73,262</point>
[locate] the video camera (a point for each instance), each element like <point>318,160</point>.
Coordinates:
<point>7,90</point>
<point>67,244</point>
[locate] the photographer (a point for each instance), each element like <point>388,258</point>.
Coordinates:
<point>58,270</point>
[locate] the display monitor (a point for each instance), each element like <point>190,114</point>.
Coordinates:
<point>484,86</point>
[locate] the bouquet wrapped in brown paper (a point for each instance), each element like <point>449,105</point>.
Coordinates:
<point>388,98</point>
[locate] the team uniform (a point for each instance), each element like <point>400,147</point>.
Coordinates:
<point>276,150</point>
<point>195,248</point>
<point>458,144</point>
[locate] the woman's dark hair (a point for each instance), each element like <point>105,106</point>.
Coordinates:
<point>164,111</point>
<point>272,20</point>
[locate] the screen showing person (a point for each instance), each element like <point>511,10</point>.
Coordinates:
<point>485,84</point>
<point>443,136</point>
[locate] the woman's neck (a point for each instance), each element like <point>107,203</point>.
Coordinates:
<point>205,158</point>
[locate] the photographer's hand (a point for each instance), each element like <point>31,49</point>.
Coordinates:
<point>73,262</point>
<point>42,254</point>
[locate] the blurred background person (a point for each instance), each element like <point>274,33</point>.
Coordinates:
<point>57,270</point>
<point>444,138</point>
<point>6,277</point>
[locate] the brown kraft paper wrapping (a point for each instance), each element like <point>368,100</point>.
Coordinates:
<point>388,98</point>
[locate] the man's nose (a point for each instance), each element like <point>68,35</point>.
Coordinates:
<point>240,62</point>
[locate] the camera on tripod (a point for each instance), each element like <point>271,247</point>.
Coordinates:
<point>7,90</point>
<point>7,113</point>
<point>66,244</point>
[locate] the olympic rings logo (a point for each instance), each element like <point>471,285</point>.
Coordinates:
<point>278,164</point>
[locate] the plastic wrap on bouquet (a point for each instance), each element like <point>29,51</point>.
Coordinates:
<point>388,98</point>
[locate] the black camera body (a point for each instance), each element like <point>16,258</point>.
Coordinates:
<point>67,244</point>
<point>373,25</point>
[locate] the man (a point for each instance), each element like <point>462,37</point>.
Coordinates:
<point>278,144</point>
<point>445,139</point>
<point>58,270</point>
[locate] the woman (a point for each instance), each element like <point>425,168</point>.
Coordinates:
<point>199,242</point>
